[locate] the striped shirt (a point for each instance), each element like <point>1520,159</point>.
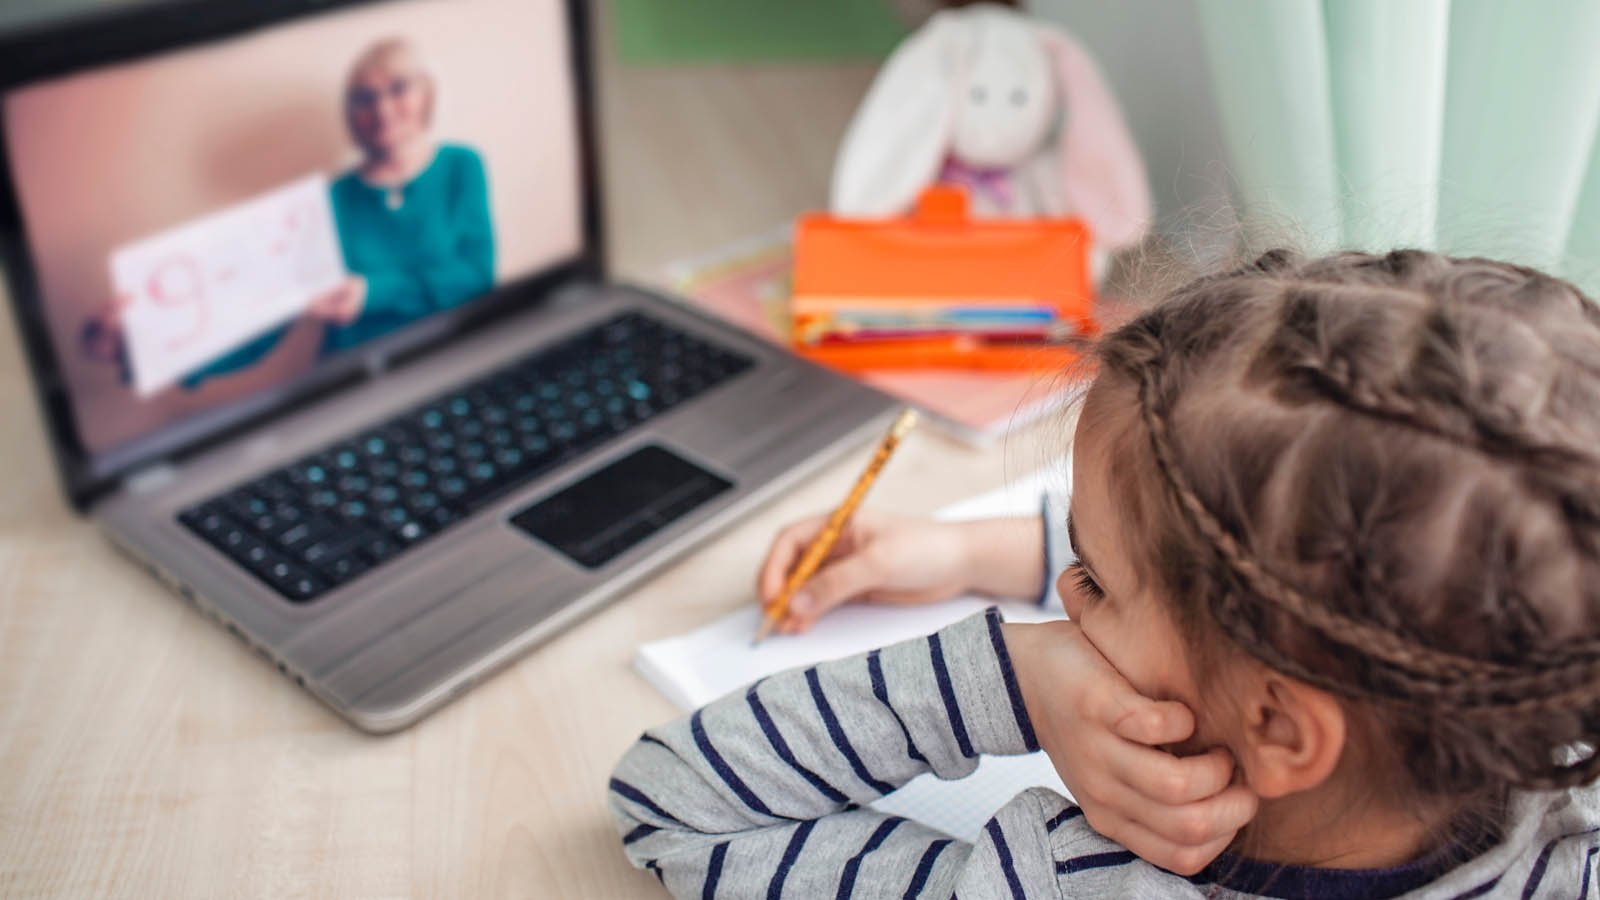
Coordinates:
<point>763,793</point>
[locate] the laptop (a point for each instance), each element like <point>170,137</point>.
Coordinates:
<point>312,295</point>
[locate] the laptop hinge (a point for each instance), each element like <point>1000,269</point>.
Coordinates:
<point>150,479</point>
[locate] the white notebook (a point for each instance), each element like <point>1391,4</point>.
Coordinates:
<point>695,668</point>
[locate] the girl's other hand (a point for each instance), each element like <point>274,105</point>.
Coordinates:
<point>879,558</point>
<point>1104,739</point>
<point>343,304</point>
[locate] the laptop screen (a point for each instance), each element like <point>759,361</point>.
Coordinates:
<point>213,224</point>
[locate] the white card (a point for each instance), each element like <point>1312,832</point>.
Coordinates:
<point>192,293</point>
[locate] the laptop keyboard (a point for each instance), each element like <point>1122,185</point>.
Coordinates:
<point>324,519</point>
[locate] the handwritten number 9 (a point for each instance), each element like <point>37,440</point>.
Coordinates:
<point>177,284</point>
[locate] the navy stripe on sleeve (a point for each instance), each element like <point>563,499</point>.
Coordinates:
<point>1004,852</point>
<point>847,882</point>
<point>723,770</point>
<point>925,867</point>
<point>652,866</point>
<point>1588,867</point>
<point>941,674</point>
<point>781,747</point>
<point>652,739</point>
<point>840,740</point>
<point>1061,818</point>
<point>880,689</point>
<point>629,792</point>
<point>1543,862</point>
<point>714,871</point>
<point>1013,690</point>
<point>1094,861</point>
<point>643,831</point>
<point>1537,875</point>
<point>790,854</point>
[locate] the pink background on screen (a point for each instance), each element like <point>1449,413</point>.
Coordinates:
<point>109,156</point>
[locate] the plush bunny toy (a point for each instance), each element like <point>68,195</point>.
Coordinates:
<point>1015,110</point>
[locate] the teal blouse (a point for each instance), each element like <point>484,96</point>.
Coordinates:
<point>433,251</point>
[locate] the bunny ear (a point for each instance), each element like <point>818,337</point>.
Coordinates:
<point>1101,170</point>
<point>900,134</point>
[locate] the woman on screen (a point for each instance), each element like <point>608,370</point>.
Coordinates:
<point>413,215</point>
<point>413,219</point>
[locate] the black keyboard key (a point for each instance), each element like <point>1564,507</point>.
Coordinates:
<point>207,521</point>
<point>301,588</point>
<point>385,494</point>
<point>329,548</point>
<point>439,517</point>
<point>377,548</point>
<point>233,540</point>
<point>343,568</point>
<point>346,458</point>
<point>253,553</point>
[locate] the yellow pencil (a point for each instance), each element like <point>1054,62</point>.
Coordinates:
<point>778,610</point>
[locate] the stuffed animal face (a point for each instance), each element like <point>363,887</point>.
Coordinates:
<point>1005,108</point>
<point>1015,103</point>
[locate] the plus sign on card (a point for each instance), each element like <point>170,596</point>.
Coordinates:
<point>192,293</point>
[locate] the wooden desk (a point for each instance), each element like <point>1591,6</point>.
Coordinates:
<point>144,752</point>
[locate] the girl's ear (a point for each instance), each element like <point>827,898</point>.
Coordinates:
<point>1102,173</point>
<point>1293,735</point>
<point>901,132</point>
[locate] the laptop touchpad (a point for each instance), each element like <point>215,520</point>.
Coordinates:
<point>619,505</point>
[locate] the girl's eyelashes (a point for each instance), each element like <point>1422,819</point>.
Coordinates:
<point>1085,583</point>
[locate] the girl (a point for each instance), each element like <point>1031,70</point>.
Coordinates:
<point>1347,511</point>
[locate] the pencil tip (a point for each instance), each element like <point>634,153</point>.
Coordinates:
<point>765,629</point>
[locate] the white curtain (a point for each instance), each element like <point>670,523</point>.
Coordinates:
<point>1467,126</point>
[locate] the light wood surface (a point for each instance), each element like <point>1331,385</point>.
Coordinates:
<point>144,752</point>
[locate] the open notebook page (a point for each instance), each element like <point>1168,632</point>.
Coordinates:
<point>695,668</point>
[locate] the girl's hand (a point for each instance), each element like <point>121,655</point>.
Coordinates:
<point>879,558</point>
<point>343,304</point>
<point>1104,739</point>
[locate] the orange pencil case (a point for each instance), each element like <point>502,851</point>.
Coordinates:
<point>937,272</point>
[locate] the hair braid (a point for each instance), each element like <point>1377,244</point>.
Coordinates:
<point>1497,433</point>
<point>1451,398</point>
<point>1387,646</point>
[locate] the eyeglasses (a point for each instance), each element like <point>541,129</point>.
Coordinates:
<point>366,98</point>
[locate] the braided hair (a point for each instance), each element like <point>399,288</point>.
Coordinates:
<point>1381,474</point>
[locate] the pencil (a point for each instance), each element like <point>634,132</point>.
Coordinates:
<point>814,554</point>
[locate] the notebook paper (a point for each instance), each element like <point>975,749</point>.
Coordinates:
<point>695,668</point>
